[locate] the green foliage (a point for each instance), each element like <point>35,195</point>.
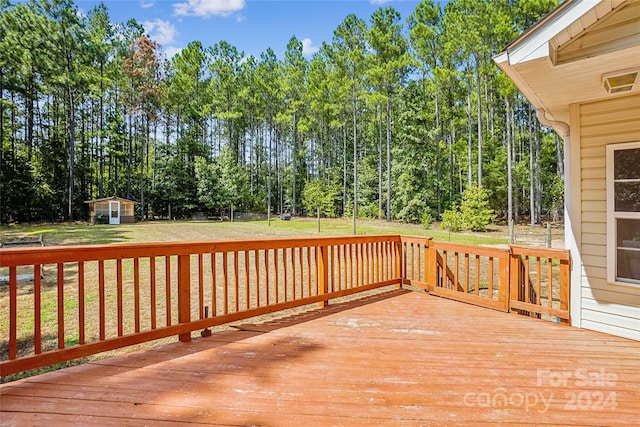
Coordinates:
<point>319,195</point>
<point>386,113</point>
<point>474,210</point>
<point>427,219</point>
<point>452,219</point>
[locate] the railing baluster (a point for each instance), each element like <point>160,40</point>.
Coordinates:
<point>119,295</point>
<point>350,265</point>
<point>339,250</point>
<point>13,313</point>
<point>225,283</point>
<point>389,261</point>
<point>526,279</point>
<point>419,278</point>
<point>136,293</point>
<point>286,281</point>
<point>316,254</point>
<point>81,337</point>
<point>266,275</point>
<point>367,254</point>
<point>236,283</point>
<point>200,286</point>
<point>247,286</point>
<point>276,263</point>
<point>60,305</point>
<point>256,262</point>
<point>152,296</point>
<point>293,272</point>
<point>490,281</point>
<point>477,278</point>
<point>538,274</point>
<point>167,288</point>
<point>466,273</point>
<point>308,270</point>
<point>301,272</point>
<point>456,264</point>
<point>37,308</point>
<point>550,284</point>
<point>214,288</point>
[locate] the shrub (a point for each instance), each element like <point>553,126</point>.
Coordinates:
<point>475,211</point>
<point>452,219</point>
<point>427,218</point>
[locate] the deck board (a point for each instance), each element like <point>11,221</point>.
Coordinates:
<point>399,358</point>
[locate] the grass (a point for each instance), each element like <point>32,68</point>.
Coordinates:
<point>163,231</point>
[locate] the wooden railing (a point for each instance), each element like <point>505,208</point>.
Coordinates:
<point>473,274</point>
<point>98,298</point>
<point>93,299</point>
<point>540,282</point>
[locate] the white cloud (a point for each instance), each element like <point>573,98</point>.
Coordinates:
<point>160,31</point>
<point>379,1</point>
<point>208,8</point>
<point>171,51</point>
<point>146,5</point>
<point>308,48</point>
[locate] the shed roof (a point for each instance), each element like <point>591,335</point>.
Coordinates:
<point>564,57</point>
<point>104,199</point>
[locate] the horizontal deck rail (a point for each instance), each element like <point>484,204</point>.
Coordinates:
<point>98,298</point>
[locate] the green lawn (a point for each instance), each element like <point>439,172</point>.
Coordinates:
<point>164,231</point>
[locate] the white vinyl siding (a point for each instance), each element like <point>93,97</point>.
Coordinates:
<point>605,306</point>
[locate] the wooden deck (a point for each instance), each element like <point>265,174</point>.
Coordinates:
<point>398,358</point>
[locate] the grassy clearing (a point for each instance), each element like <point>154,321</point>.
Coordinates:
<point>165,231</point>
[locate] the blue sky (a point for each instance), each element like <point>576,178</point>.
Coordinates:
<point>251,26</point>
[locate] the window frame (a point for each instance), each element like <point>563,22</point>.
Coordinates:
<point>613,216</point>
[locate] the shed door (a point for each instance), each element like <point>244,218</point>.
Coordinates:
<point>114,212</point>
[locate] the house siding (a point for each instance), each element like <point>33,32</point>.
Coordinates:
<point>605,307</point>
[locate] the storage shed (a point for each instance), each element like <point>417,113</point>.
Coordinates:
<point>580,68</point>
<point>111,210</point>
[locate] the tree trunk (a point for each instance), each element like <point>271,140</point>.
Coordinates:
<point>355,163</point>
<point>1,139</point>
<point>294,156</point>
<point>538,186</point>
<point>438,136</point>
<point>479,107</point>
<point>452,139</point>
<point>30,113</point>
<point>269,178</point>
<point>344,170</point>
<point>72,147</point>
<point>469,139</point>
<point>532,205</point>
<point>509,168</point>
<point>380,166</point>
<point>388,156</point>
<point>101,133</point>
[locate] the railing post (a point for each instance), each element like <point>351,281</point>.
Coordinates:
<point>565,286</point>
<point>433,266</point>
<point>505,279</point>
<point>323,273</point>
<point>427,263</point>
<point>514,275</point>
<point>401,259</point>
<point>184,293</point>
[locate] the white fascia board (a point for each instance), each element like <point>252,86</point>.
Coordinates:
<point>536,44</point>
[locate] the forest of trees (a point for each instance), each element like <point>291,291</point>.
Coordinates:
<point>393,118</point>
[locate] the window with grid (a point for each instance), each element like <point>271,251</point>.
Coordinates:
<point>623,213</point>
